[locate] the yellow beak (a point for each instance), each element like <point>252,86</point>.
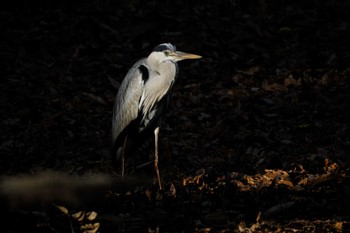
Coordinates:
<point>182,56</point>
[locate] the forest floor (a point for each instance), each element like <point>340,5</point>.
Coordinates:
<point>256,138</point>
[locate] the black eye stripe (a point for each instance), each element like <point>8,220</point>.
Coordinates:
<point>162,47</point>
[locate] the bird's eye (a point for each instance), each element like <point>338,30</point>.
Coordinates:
<point>166,52</point>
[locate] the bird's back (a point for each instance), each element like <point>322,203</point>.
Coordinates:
<point>127,100</point>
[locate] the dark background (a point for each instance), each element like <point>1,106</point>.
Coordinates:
<point>271,92</point>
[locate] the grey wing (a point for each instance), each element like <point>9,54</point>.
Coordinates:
<point>126,105</point>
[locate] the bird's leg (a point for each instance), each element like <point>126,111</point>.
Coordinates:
<point>123,156</point>
<point>156,132</point>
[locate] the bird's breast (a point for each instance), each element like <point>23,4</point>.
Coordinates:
<point>155,94</point>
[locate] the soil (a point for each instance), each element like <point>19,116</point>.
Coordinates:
<point>256,137</point>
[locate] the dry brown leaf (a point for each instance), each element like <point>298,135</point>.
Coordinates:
<point>303,182</point>
<point>172,190</point>
<point>90,228</point>
<point>279,208</point>
<point>338,226</point>
<point>290,81</point>
<point>286,182</point>
<point>79,216</point>
<point>96,98</point>
<point>62,209</point>
<point>251,71</point>
<point>91,215</point>
<point>250,180</point>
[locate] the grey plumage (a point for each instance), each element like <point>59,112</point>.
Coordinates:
<point>143,95</point>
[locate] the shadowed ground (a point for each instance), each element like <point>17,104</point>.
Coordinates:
<point>256,137</point>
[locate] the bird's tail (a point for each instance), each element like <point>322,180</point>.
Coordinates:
<point>123,147</point>
<point>116,154</point>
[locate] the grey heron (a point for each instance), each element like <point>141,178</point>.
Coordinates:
<point>142,98</point>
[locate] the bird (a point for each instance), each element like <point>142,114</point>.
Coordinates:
<point>142,99</point>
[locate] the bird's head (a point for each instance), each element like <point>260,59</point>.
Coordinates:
<point>167,52</point>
